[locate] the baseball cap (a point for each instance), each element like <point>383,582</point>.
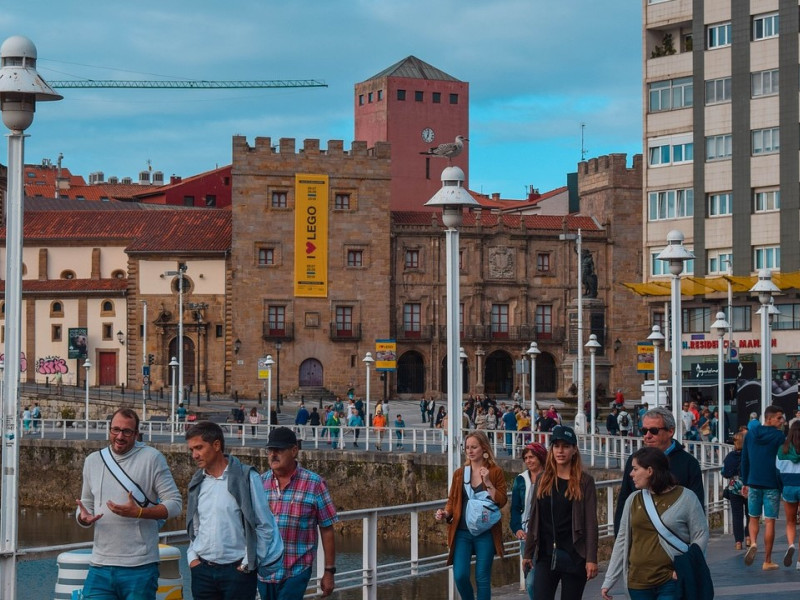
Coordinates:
<point>281,438</point>
<point>564,434</point>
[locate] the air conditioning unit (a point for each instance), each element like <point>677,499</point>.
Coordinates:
<point>96,177</point>
<point>127,180</point>
<point>158,178</point>
<point>113,179</point>
<point>144,177</point>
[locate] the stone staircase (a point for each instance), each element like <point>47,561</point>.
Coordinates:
<point>311,395</point>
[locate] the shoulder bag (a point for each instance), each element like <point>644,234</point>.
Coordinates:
<point>481,512</point>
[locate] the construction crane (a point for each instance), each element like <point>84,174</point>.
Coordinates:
<point>189,84</point>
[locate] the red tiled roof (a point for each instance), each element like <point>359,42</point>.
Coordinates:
<point>69,286</point>
<point>540,222</point>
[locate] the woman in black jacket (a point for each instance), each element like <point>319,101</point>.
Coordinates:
<point>735,492</point>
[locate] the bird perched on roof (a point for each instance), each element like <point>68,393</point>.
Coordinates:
<point>448,149</point>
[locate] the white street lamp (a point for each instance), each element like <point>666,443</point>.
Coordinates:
<point>269,362</point>
<point>676,254</point>
<point>180,275</point>
<point>87,365</point>
<point>533,354</point>
<point>173,364</point>
<point>20,88</point>
<point>765,289</point>
<point>720,327</point>
<point>367,360</point>
<point>452,198</point>
<point>657,338</point>
<point>145,366</point>
<point>592,345</point>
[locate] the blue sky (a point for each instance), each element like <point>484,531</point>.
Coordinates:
<point>536,69</point>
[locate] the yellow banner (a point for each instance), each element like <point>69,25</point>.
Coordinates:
<point>385,355</point>
<point>311,236</point>
<point>645,362</point>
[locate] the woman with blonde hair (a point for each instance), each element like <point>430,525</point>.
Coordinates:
<point>562,524</point>
<point>484,476</point>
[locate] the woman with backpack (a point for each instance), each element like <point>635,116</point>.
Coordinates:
<point>735,492</point>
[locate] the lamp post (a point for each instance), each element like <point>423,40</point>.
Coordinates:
<point>180,275</point>
<point>592,345</point>
<point>765,289</point>
<point>87,365</point>
<point>173,364</point>
<point>720,327</point>
<point>579,251</point>
<point>278,373</point>
<point>657,338</point>
<point>676,254</point>
<point>197,309</point>
<point>452,198</point>
<point>463,359</point>
<point>269,362</point>
<point>367,360</point>
<point>533,354</point>
<point>20,88</point>
<point>145,366</point>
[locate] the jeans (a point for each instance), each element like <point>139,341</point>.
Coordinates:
<point>738,516</point>
<point>222,582</point>
<point>293,588</point>
<point>546,583</point>
<point>121,583</point>
<point>464,546</point>
<point>665,591</point>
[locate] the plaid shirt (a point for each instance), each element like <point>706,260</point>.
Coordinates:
<point>302,505</point>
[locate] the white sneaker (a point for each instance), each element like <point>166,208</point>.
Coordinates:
<point>798,565</point>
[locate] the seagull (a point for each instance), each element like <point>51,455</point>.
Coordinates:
<point>449,149</point>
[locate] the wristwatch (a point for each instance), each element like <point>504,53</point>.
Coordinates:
<point>331,570</point>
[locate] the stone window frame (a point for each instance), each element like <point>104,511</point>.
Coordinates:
<point>57,309</point>
<point>107,312</point>
<point>56,332</point>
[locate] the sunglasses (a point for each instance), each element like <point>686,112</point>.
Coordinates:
<point>652,430</point>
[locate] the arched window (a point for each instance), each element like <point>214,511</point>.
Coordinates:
<point>67,274</point>
<point>57,309</point>
<point>107,308</point>
<point>118,274</point>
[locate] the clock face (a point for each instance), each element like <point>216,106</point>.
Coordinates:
<point>427,134</point>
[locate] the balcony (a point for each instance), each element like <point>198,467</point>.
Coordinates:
<point>513,333</point>
<point>338,334</point>
<point>423,334</point>
<point>271,333</point>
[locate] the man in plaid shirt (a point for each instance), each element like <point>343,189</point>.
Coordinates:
<point>300,501</point>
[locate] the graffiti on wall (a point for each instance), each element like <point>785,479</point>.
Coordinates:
<point>23,362</point>
<point>52,365</point>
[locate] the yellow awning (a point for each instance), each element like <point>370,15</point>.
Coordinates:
<point>698,286</point>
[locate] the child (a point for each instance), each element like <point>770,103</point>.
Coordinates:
<point>399,425</point>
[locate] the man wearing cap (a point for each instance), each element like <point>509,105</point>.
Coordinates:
<point>658,427</point>
<point>232,533</point>
<point>301,502</point>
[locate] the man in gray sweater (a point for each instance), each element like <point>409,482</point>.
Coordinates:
<point>124,563</point>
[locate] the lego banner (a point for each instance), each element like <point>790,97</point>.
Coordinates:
<point>645,361</point>
<point>385,355</point>
<point>311,236</point>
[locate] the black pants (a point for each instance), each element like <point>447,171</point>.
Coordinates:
<point>546,581</point>
<point>738,516</point>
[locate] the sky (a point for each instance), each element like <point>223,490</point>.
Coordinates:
<point>537,71</point>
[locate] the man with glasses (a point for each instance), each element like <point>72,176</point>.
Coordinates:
<point>124,563</point>
<point>301,502</point>
<point>658,427</point>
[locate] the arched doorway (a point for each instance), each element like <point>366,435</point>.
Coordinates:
<point>310,373</point>
<point>464,377</point>
<point>411,373</point>
<point>499,378</point>
<point>189,365</point>
<point>546,373</point>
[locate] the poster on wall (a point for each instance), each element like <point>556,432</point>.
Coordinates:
<point>78,343</point>
<point>385,355</point>
<point>311,236</point>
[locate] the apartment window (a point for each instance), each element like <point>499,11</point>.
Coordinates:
<point>266,257</point>
<point>767,257</point>
<point>211,200</point>
<point>719,147</point>
<point>764,83</point>
<point>696,320</point>
<point>107,332</point>
<point>344,320</point>
<point>719,35</point>
<point>412,259</point>
<point>419,96</point>
<point>218,331</point>
<point>453,98</point>
<point>411,319</point>
<point>188,200</point>
<point>742,320</point>
<point>341,202</point>
<point>543,321</point>
<point>401,95</point>
<point>437,97</point>
<point>718,90</point>
<point>718,261</point>
<point>670,150</point>
<point>671,204</point>
<point>543,261</point>
<point>719,204</point>
<point>661,267</point>
<point>767,201</point>
<point>276,318</point>
<point>670,95</point>
<point>279,199</point>
<point>789,317</point>
<point>765,26</point>
<point>361,99</point>
<point>369,98</point>
<point>766,141</point>
<point>56,309</point>
<point>660,320</point>
<point>380,95</point>
<point>55,333</point>
<point>355,258</point>
<point>499,320</point>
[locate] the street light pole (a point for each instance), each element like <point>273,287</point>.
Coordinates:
<point>173,364</point>
<point>180,275</point>
<point>765,289</point>
<point>720,327</point>
<point>269,362</point>
<point>657,338</point>
<point>592,345</point>
<point>87,365</point>
<point>367,360</point>
<point>144,359</point>
<point>533,353</point>
<point>278,374</point>
<point>20,88</point>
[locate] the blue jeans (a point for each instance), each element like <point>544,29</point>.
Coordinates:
<point>665,591</point>
<point>464,546</point>
<point>293,588</point>
<point>222,583</point>
<point>121,583</point>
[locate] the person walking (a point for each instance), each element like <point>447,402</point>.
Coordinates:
<point>788,463</point>
<point>481,474</point>
<point>624,422</point>
<point>641,555</point>
<point>356,423</point>
<point>423,409</point>
<point>181,414</point>
<point>254,419</point>
<point>379,424</point>
<point>509,424</point>
<point>760,474</point>
<point>431,408</point>
<point>399,425</point>
<point>333,423</point>
<point>562,525</point>
<point>26,420</point>
<point>36,414</point>
<point>735,491</point>
<point>611,422</point>
<point>534,456</point>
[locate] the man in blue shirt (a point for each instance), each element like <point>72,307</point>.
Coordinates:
<point>509,424</point>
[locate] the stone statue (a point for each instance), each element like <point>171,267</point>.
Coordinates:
<point>588,275</point>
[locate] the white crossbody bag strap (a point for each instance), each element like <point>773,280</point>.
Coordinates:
<point>124,480</point>
<point>669,537</point>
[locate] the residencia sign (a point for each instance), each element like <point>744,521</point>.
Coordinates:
<point>714,344</point>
